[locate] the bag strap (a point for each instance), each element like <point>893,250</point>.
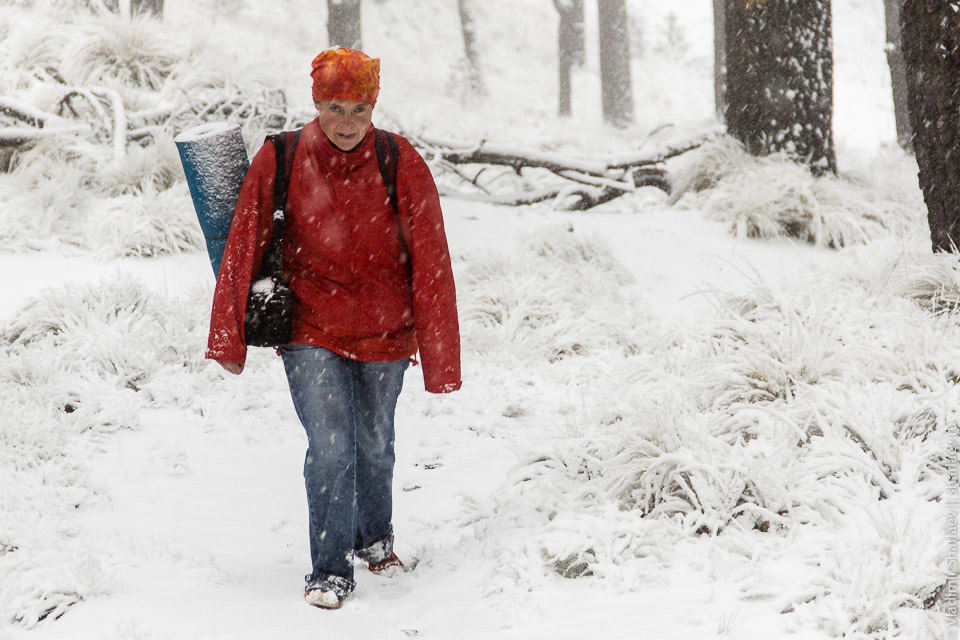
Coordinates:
<point>285,147</point>
<point>388,163</point>
<point>388,159</point>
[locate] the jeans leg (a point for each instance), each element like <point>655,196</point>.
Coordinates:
<point>378,386</point>
<point>323,389</point>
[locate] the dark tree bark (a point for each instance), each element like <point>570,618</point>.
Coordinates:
<point>570,47</point>
<point>343,24</point>
<point>720,58</point>
<point>931,48</point>
<point>898,72</point>
<point>471,51</point>
<point>779,79</point>
<point>152,8</point>
<point>616,91</point>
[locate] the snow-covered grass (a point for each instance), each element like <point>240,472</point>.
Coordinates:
<point>827,407</point>
<point>819,413</point>
<point>80,364</point>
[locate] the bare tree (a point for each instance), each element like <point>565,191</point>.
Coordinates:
<point>615,84</point>
<point>104,6</point>
<point>898,72</point>
<point>931,49</point>
<point>152,8</point>
<point>343,24</point>
<point>471,60</point>
<point>779,79</point>
<point>720,58</point>
<point>570,47</point>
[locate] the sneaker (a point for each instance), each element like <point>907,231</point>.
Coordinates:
<point>323,598</point>
<point>388,567</point>
<point>327,593</point>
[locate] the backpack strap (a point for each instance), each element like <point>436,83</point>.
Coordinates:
<point>285,147</point>
<point>285,144</point>
<point>388,159</point>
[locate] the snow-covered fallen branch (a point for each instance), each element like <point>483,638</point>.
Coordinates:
<point>116,120</point>
<point>602,180</point>
<point>27,113</point>
<point>16,136</point>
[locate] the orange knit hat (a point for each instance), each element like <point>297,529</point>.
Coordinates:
<point>345,74</point>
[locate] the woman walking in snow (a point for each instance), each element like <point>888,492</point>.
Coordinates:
<point>372,285</point>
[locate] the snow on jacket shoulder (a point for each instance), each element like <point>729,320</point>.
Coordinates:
<point>367,285</point>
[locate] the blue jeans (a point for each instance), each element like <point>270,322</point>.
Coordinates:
<point>346,407</point>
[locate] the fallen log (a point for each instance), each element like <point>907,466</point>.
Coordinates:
<point>600,180</point>
<point>577,198</point>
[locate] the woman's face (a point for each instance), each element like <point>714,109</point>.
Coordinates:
<point>345,122</point>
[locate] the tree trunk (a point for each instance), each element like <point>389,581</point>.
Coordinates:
<point>898,72</point>
<point>779,79</point>
<point>570,47</point>
<point>719,59</point>
<point>931,47</point>
<point>471,52</point>
<point>152,8</point>
<point>616,90</point>
<point>343,24</point>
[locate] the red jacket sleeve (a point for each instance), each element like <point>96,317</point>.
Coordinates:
<point>246,243</point>
<point>434,295</point>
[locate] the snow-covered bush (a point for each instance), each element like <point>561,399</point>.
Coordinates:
<point>27,54</point>
<point>120,53</point>
<point>142,170</point>
<point>98,71</point>
<point>530,305</point>
<point>50,212</point>
<point>146,225</point>
<point>930,280</point>
<point>704,167</point>
<point>772,196</point>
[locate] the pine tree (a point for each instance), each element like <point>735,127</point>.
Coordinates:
<point>471,52</point>
<point>931,48</point>
<point>152,8</point>
<point>616,91</point>
<point>779,79</point>
<point>898,72</point>
<point>343,24</point>
<point>570,48</point>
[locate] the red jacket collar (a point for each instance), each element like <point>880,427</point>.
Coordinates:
<point>333,157</point>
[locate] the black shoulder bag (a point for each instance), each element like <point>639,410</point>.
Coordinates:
<point>268,321</point>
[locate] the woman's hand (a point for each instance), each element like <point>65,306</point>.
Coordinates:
<point>233,367</point>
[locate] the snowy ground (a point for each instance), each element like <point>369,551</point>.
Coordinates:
<point>737,438</point>
<point>200,532</point>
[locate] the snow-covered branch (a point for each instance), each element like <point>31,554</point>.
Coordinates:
<point>601,179</point>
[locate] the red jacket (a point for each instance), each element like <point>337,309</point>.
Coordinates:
<point>355,290</point>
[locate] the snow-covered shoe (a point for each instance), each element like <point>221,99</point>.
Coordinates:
<point>323,598</point>
<point>327,593</point>
<point>380,558</point>
<point>388,567</point>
